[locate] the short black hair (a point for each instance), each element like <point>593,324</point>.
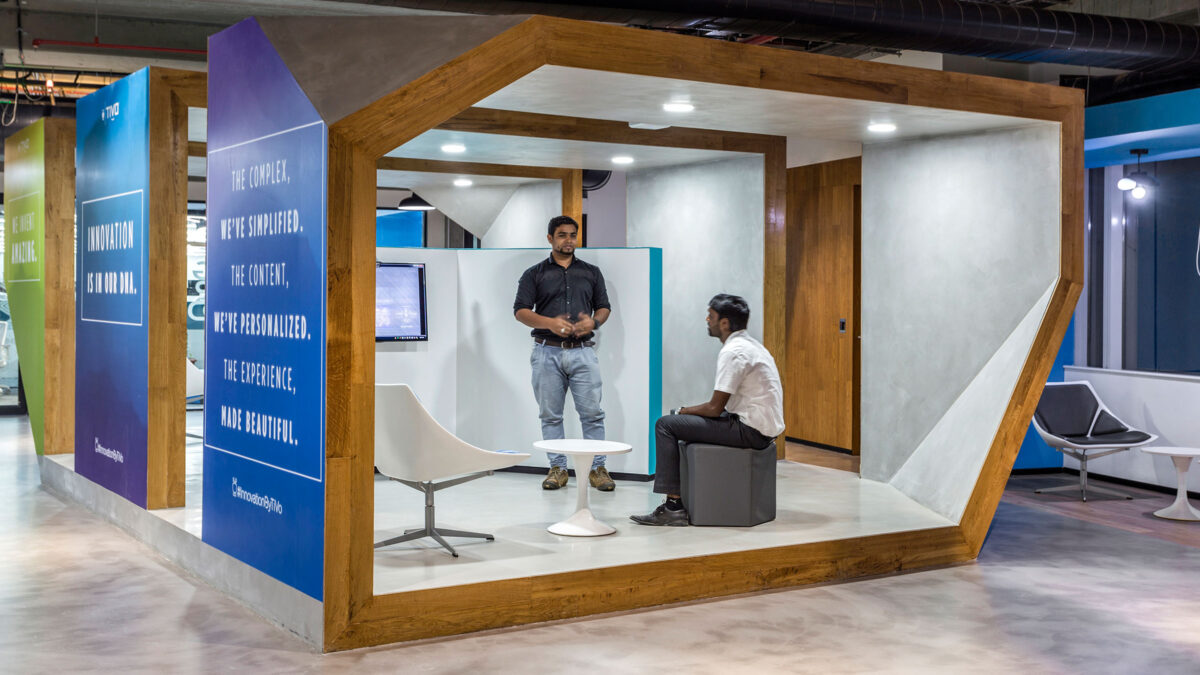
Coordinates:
<point>732,307</point>
<point>558,221</point>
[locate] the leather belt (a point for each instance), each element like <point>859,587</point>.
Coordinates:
<point>564,344</point>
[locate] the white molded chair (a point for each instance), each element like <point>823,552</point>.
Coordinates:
<point>194,383</point>
<point>1073,420</point>
<point>412,448</point>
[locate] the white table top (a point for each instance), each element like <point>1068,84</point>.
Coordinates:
<point>1173,452</point>
<point>582,446</point>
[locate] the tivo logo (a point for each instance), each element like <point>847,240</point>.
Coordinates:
<point>109,112</point>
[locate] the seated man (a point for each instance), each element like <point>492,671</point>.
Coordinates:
<point>746,409</point>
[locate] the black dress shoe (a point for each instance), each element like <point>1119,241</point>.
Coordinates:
<point>663,516</point>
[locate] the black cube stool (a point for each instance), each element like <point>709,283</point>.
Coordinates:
<point>724,486</point>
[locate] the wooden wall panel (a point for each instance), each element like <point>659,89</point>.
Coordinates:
<point>59,256</point>
<point>820,381</point>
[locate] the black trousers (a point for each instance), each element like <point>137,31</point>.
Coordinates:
<point>670,429</point>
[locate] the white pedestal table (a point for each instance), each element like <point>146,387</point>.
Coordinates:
<point>582,523</point>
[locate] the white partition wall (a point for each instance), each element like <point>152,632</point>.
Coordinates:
<point>473,374</point>
<point>959,258</point>
<point>431,367</point>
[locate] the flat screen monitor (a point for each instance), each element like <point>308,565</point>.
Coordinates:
<point>400,302</point>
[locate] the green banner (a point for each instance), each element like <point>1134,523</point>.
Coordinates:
<point>24,266</point>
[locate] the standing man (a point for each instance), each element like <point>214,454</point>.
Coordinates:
<point>745,411</point>
<point>563,299</point>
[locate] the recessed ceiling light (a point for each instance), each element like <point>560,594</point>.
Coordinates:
<point>622,159</point>
<point>881,127</point>
<point>454,148</point>
<point>463,182</point>
<point>678,107</point>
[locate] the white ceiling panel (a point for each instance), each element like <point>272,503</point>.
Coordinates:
<point>522,151</point>
<point>413,180</point>
<point>576,92</point>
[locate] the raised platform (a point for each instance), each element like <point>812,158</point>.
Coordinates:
<point>815,504</point>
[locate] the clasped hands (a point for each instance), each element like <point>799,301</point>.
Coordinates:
<point>561,325</point>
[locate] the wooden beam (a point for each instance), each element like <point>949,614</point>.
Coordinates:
<point>775,305</point>
<point>469,168</point>
<point>171,91</point>
<point>481,606</point>
<point>356,143</point>
<point>350,378</point>
<point>537,125</point>
<point>197,149</point>
<point>617,49</point>
<point>572,197</point>
<point>459,84</point>
<point>59,254</point>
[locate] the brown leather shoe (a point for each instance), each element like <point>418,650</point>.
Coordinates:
<point>555,479</point>
<point>600,480</point>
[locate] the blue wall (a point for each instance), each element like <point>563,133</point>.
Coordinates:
<point>400,229</point>
<point>1035,454</point>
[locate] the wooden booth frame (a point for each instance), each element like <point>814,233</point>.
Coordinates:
<point>354,616</point>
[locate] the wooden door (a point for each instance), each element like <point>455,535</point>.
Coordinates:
<point>821,378</point>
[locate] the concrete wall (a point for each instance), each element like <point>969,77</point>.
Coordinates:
<point>708,219</point>
<point>522,221</point>
<point>960,250</point>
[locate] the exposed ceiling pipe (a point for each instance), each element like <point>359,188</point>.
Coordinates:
<point>97,44</point>
<point>950,26</point>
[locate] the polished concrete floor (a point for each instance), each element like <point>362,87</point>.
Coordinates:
<point>1050,594</point>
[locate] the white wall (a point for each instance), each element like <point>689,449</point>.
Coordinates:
<point>708,219</point>
<point>522,222</point>
<point>474,375</point>
<point>1160,403</point>
<point>960,249</point>
<point>431,367</point>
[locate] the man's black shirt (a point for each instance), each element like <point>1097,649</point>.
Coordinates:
<point>550,289</point>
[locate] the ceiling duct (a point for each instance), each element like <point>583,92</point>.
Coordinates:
<point>983,29</point>
<point>594,179</point>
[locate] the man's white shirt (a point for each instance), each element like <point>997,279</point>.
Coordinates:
<point>746,371</point>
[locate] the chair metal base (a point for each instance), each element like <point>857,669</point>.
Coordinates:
<point>1083,476</point>
<point>435,533</point>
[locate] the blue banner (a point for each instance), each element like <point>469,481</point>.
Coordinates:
<point>112,161</point>
<point>264,398</point>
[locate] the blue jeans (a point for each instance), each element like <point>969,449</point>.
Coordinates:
<point>554,371</point>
